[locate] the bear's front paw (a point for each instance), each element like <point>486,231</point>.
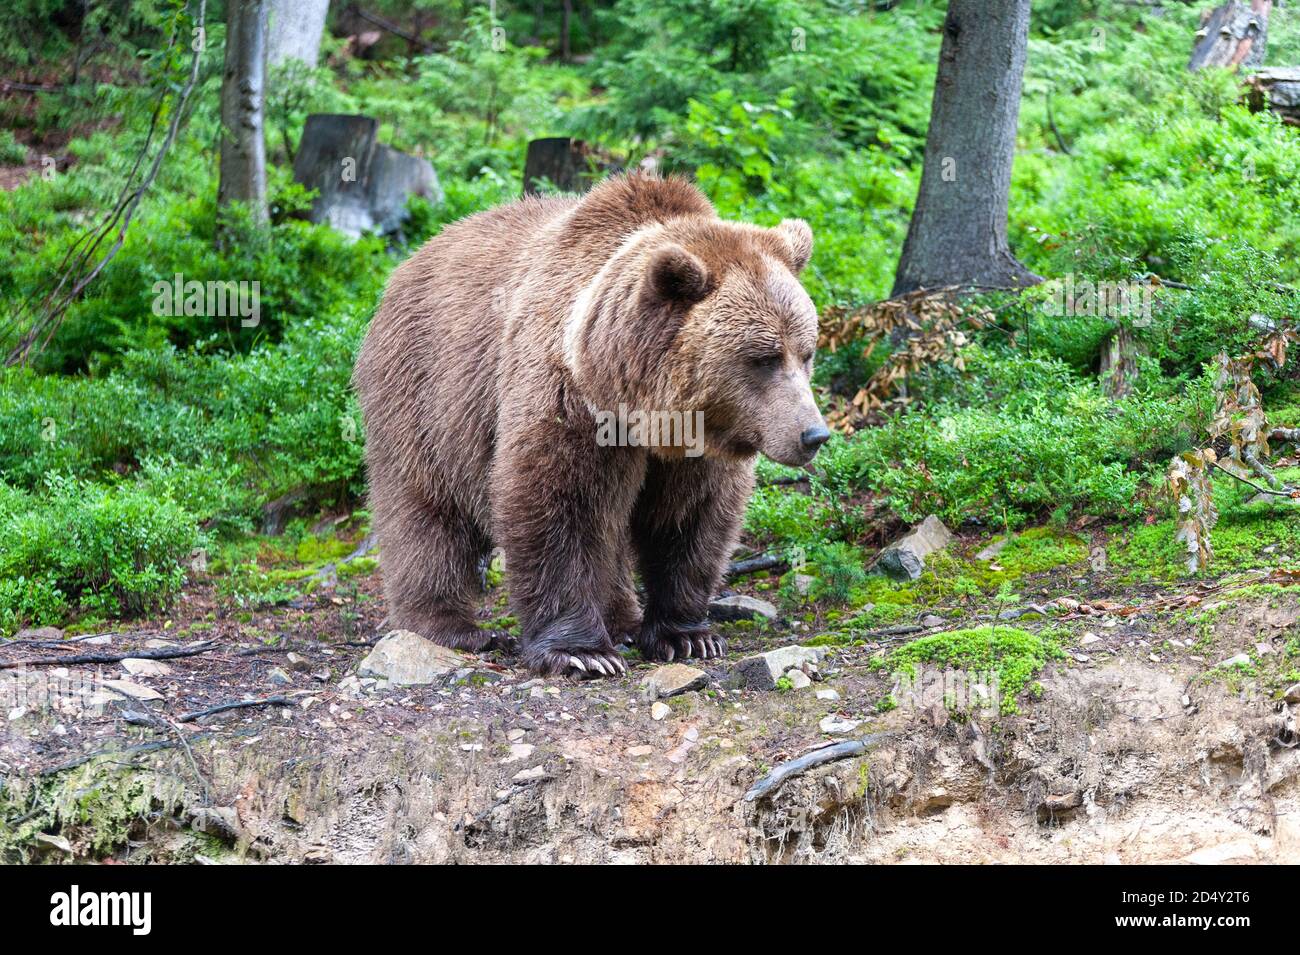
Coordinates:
<point>667,643</point>
<point>579,664</point>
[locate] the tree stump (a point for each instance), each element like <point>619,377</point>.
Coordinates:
<point>362,185</point>
<point>1232,35</point>
<point>569,165</point>
<point>1276,88</point>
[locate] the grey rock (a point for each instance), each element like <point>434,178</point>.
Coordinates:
<point>39,633</point>
<point>798,680</point>
<point>408,659</point>
<point>992,550</point>
<point>672,679</point>
<point>760,672</point>
<point>1240,660</point>
<point>828,694</point>
<point>1293,693</point>
<point>905,558</point>
<point>144,667</point>
<point>837,725</point>
<point>740,607</point>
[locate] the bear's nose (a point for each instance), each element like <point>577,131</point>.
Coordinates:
<point>814,437</point>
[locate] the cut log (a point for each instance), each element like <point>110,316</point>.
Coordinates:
<point>1276,88</point>
<point>569,165</point>
<point>1232,35</point>
<point>362,185</point>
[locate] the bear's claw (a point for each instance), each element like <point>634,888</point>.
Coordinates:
<point>583,664</point>
<point>673,646</point>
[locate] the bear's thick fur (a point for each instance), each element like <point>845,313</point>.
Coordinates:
<point>500,354</point>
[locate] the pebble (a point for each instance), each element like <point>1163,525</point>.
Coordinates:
<point>836,725</point>
<point>637,752</point>
<point>659,710</point>
<point>799,680</point>
<point>518,752</point>
<point>828,694</point>
<point>528,775</point>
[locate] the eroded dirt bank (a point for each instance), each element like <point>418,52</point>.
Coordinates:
<point>1138,750</point>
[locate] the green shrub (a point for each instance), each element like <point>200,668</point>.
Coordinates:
<point>105,550</point>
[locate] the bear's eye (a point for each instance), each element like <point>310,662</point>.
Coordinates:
<point>767,362</point>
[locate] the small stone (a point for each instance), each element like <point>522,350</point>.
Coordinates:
<point>1089,639</point>
<point>637,752</point>
<point>1240,660</point>
<point>142,667</point>
<point>672,679</point>
<point>741,607</point>
<point>298,662</point>
<point>39,633</point>
<point>17,713</point>
<point>828,694</point>
<point>905,558</point>
<point>408,659</point>
<point>798,680</point>
<point>471,747</point>
<point>659,710</point>
<point>932,620</point>
<point>529,775</point>
<point>761,672</point>
<point>518,752</point>
<point>1153,658</point>
<point>803,584</point>
<point>1293,694</point>
<point>1082,657</point>
<point>278,676</point>
<point>536,693</point>
<point>836,725</point>
<point>1187,700</point>
<point>1067,603</point>
<point>151,644</point>
<point>1263,649</point>
<point>515,735</point>
<point>993,549</point>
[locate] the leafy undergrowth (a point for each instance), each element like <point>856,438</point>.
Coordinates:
<point>1250,533</point>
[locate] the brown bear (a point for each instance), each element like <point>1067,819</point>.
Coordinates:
<point>585,383</point>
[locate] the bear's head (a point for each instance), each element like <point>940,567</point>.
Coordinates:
<point>704,318</point>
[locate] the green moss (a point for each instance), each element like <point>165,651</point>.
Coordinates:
<point>360,567</point>
<point>1015,655</point>
<point>1039,549</point>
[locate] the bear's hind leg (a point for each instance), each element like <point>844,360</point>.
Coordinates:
<point>430,553</point>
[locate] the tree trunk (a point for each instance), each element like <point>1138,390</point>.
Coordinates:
<point>1232,35</point>
<point>294,29</point>
<point>243,146</point>
<point>958,233</point>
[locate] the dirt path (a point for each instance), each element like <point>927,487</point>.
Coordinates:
<point>1133,748</point>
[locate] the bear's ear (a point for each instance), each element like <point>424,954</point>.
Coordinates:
<point>678,277</point>
<point>799,238</point>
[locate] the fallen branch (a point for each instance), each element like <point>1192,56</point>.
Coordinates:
<point>1248,483</point>
<point>818,757</point>
<point>167,653</point>
<point>129,751</point>
<point>236,705</point>
<point>753,565</point>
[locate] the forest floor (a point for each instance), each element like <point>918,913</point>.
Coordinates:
<point>1151,726</point>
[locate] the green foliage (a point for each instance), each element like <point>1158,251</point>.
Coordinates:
<point>105,550</point>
